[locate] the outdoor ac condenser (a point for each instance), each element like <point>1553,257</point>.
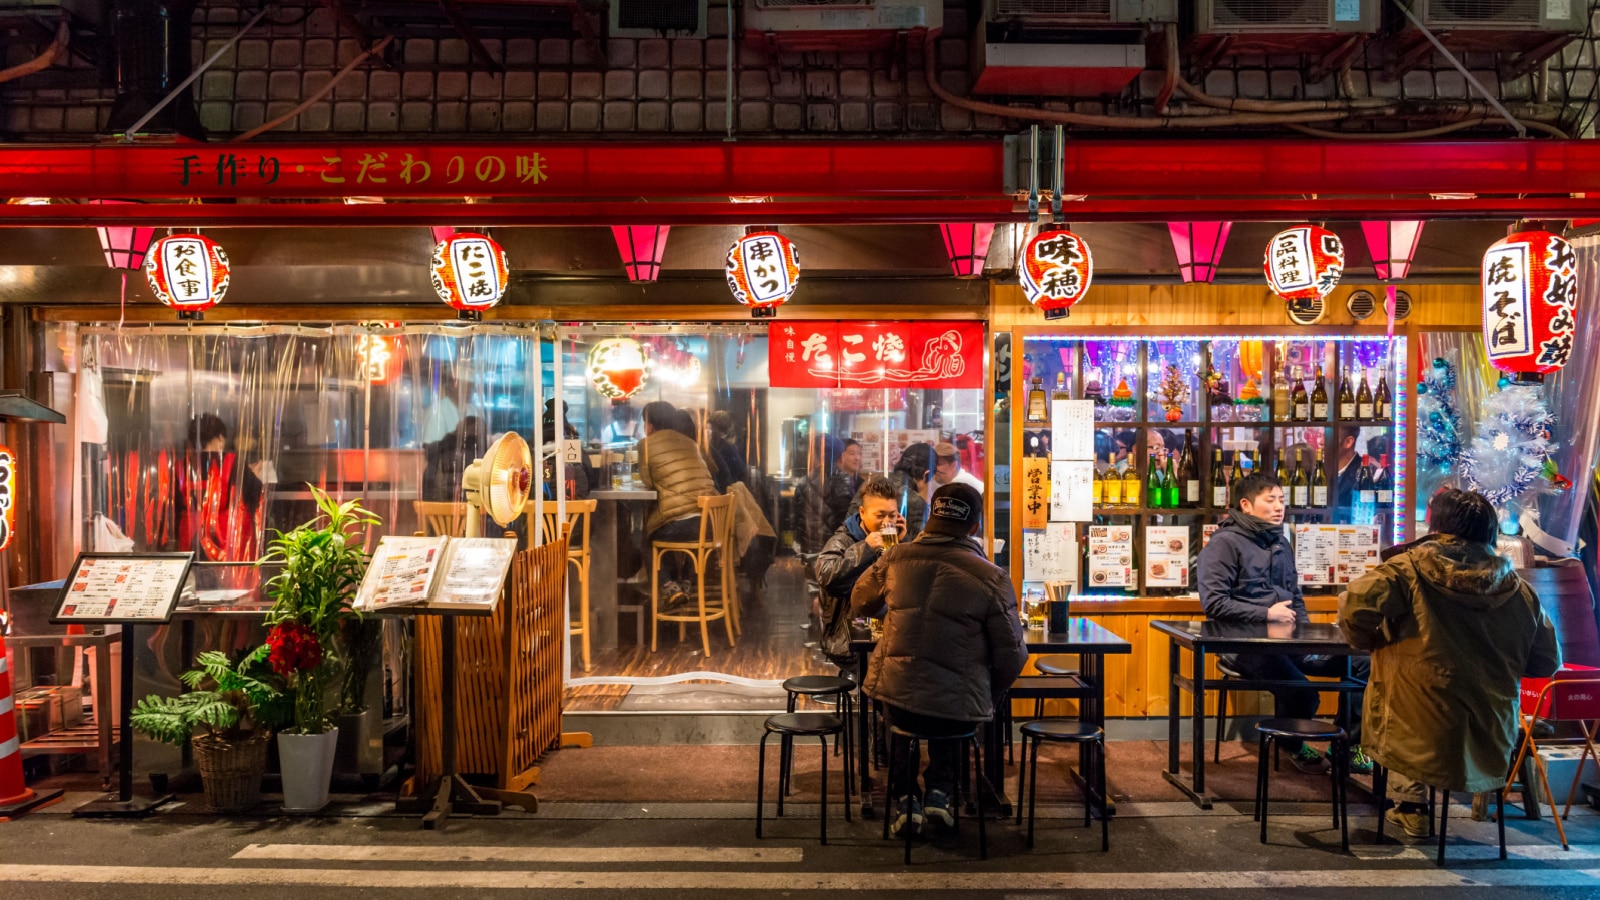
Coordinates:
<point>658,18</point>
<point>848,25</point>
<point>1065,48</point>
<point>1285,16</point>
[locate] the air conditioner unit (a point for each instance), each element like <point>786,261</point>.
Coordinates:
<point>1532,29</point>
<point>847,25</point>
<point>1316,27</point>
<point>1064,48</point>
<point>658,18</point>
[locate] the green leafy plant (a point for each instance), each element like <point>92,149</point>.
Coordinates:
<point>322,565</point>
<point>226,700</point>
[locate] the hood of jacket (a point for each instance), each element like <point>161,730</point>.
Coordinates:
<point>1465,573</point>
<point>1265,538</point>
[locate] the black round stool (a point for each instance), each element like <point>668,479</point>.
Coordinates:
<point>1064,731</point>
<point>1380,792</point>
<point>1274,730</point>
<point>789,726</point>
<point>1058,664</point>
<point>817,687</point>
<point>1229,673</point>
<point>968,739</point>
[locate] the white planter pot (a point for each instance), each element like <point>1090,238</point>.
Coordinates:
<point>307,763</point>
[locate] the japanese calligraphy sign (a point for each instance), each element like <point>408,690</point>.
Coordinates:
<point>1055,271</point>
<point>1530,289</point>
<point>763,270</point>
<point>1304,263</point>
<point>875,354</point>
<point>8,496</point>
<point>187,272</point>
<point>1035,493</point>
<point>378,355</point>
<point>617,368</point>
<point>469,272</point>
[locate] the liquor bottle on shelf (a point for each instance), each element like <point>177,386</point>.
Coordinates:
<point>1364,404</point>
<point>1282,471</point>
<point>1319,400</point>
<point>1319,484</point>
<point>1098,492</point>
<point>1347,399</point>
<point>1155,489</point>
<point>1383,401</point>
<point>1038,409</point>
<point>1299,487</point>
<point>1282,410</point>
<point>1385,483</point>
<point>1237,472</point>
<point>1219,480</point>
<point>1300,399</point>
<point>1112,482</point>
<point>1130,484</point>
<point>1060,392</point>
<point>1189,471</point>
<point>1366,490</point>
<point>1174,493</point>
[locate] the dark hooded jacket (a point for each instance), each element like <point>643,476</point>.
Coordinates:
<point>1452,630</point>
<point>1243,573</point>
<point>952,642</point>
<point>844,559</point>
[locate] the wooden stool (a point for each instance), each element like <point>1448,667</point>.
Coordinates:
<point>1274,730</point>
<point>968,739</point>
<point>1064,731</point>
<point>716,536</point>
<point>790,726</point>
<point>576,524</point>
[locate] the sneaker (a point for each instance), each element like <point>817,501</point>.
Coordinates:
<point>909,817</point>
<point>1310,761</point>
<point>1360,763</point>
<point>936,807</point>
<point>1414,821</point>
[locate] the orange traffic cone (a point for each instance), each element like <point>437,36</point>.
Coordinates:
<point>16,798</point>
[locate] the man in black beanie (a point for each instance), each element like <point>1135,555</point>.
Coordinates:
<point>951,646</point>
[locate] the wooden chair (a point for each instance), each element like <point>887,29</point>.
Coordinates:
<point>576,530</point>
<point>716,536</point>
<point>441,517</point>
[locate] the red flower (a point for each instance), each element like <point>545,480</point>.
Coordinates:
<point>293,648</point>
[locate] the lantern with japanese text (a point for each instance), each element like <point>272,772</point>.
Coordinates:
<point>1303,264</point>
<point>617,368</point>
<point>188,272</point>
<point>1530,289</point>
<point>1055,271</point>
<point>8,496</point>
<point>763,270</point>
<point>470,272</point>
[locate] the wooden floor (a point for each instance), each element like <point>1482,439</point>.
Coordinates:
<point>773,645</point>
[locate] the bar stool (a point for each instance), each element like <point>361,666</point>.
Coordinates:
<point>1274,730</point>
<point>1229,673</point>
<point>968,739</point>
<point>1066,685</point>
<point>842,690</point>
<point>1380,790</point>
<point>716,536</point>
<point>789,726</point>
<point>1064,731</point>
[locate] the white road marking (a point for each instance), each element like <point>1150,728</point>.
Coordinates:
<point>392,853</point>
<point>1429,850</point>
<point>1073,882</point>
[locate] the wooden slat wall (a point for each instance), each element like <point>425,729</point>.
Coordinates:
<point>1215,308</point>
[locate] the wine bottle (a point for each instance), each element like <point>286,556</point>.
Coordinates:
<point>1219,480</point>
<point>1319,484</point>
<point>1174,493</point>
<point>1347,399</point>
<point>1319,399</point>
<point>1237,472</point>
<point>1099,489</point>
<point>1366,491</point>
<point>1301,399</point>
<point>1130,484</point>
<point>1383,403</point>
<point>1281,408</point>
<point>1282,471</point>
<point>1299,488</point>
<point>1113,482</point>
<point>1385,483</point>
<point>1189,472</point>
<point>1038,408</point>
<point>1364,407</point>
<point>1155,489</point>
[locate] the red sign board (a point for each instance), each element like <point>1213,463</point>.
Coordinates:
<point>875,354</point>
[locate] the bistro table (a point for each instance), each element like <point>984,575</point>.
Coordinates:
<point>1091,640</point>
<point>1200,638</point>
<point>603,606</point>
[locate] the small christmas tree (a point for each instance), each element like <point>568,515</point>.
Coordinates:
<point>1172,392</point>
<point>1438,419</point>
<point>1510,458</point>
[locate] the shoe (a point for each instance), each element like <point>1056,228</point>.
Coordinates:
<point>1310,761</point>
<point>1360,763</point>
<point>936,809</point>
<point>909,816</point>
<point>1415,822</point>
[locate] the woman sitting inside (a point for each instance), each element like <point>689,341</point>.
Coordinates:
<point>670,463</point>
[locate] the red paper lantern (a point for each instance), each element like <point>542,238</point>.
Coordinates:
<point>641,247</point>
<point>617,368</point>
<point>1304,263</point>
<point>1055,271</point>
<point>8,496</point>
<point>1530,288</point>
<point>470,272</point>
<point>763,271</point>
<point>967,246</point>
<point>188,272</point>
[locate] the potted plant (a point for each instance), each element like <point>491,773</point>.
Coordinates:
<point>233,707</point>
<point>323,562</point>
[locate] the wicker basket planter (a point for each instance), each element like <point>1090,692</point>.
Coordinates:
<point>231,770</point>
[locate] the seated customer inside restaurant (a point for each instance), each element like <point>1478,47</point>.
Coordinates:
<point>671,464</point>
<point>1452,630</point>
<point>951,647</point>
<point>1248,576</point>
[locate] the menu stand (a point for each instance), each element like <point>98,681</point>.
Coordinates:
<point>123,804</point>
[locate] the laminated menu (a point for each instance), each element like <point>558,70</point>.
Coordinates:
<point>436,573</point>
<point>113,587</point>
<point>1358,551</point>
<point>1166,556</point>
<point>1110,556</point>
<point>1316,553</point>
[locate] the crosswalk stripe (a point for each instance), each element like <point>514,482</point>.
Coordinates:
<point>392,853</point>
<point>1430,850</point>
<point>803,881</point>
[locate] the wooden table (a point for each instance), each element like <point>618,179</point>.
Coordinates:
<point>1085,637</point>
<point>603,561</point>
<point>1200,638</point>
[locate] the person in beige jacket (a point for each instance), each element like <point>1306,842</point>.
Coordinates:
<point>672,465</point>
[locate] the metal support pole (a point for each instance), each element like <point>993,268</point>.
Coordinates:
<point>133,129</point>
<point>1471,79</point>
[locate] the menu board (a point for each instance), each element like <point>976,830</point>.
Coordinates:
<point>1316,553</point>
<point>1071,490</point>
<point>1206,531</point>
<point>1050,555</point>
<point>1166,556</point>
<point>1110,556</point>
<point>123,587</point>
<point>401,571</point>
<point>1358,551</point>
<point>429,573</point>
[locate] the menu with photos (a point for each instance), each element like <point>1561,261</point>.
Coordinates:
<point>1110,556</point>
<point>123,588</point>
<point>436,573</point>
<point>1166,556</point>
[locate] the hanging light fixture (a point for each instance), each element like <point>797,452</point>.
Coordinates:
<point>1055,270</point>
<point>125,248</point>
<point>617,368</point>
<point>441,233</point>
<point>763,271</point>
<point>470,272</point>
<point>1393,246</point>
<point>1199,248</point>
<point>1530,287</point>
<point>967,246</point>
<point>642,247</point>
<point>188,272</point>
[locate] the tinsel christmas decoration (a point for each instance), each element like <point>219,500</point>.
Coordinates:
<point>1438,418</point>
<point>1172,391</point>
<point>1510,458</point>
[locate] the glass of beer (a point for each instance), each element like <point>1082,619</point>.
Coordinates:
<point>890,534</point>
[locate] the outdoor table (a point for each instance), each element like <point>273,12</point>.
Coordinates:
<point>1200,638</point>
<point>1087,638</point>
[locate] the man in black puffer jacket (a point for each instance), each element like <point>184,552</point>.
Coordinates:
<point>952,645</point>
<point>852,549</point>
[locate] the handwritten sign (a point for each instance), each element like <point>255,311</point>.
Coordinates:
<point>123,587</point>
<point>1071,490</point>
<point>1072,429</point>
<point>1050,555</point>
<point>1035,493</point>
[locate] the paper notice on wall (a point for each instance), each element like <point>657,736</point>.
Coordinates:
<point>1358,551</point>
<point>1166,556</point>
<point>1206,531</point>
<point>1072,429</point>
<point>1316,553</point>
<point>1035,493</point>
<point>1051,555</point>
<point>1110,556</point>
<point>1071,490</point>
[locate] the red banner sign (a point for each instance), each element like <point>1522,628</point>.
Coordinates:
<point>875,354</point>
